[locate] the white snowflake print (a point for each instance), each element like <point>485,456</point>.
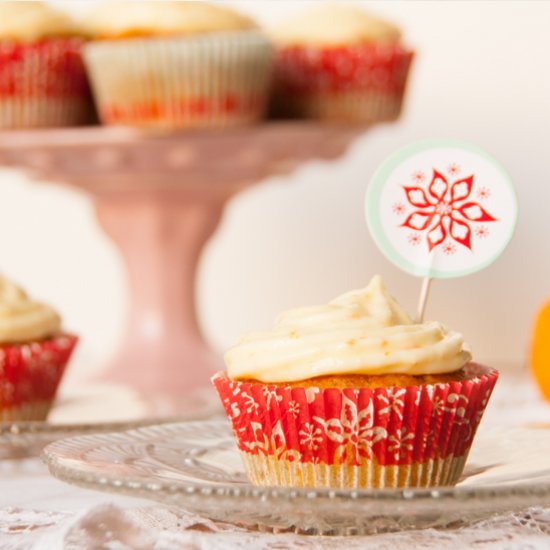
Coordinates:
<point>235,388</point>
<point>270,395</point>
<point>354,431</point>
<point>311,436</point>
<point>400,442</point>
<point>234,412</point>
<point>457,398</point>
<point>293,409</point>
<point>440,405</point>
<point>394,402</point>
<point>274,445</point>
<point>249,402</point>
<point>311,393</point>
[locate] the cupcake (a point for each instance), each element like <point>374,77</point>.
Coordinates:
<point>354,394</point>
<point>33,354</point>
<point>177,65</point>
<point>337,62</point>
<point>42,77</point>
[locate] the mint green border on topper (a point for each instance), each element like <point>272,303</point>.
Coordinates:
<point>373,197</point>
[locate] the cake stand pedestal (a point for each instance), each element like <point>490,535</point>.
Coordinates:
<point>160,197</point>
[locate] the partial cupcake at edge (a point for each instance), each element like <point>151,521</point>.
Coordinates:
<point>34,352</point>
<point>338,62</point>
<point>174,65</point>
<point>43,81</point>
<point>354,394</point>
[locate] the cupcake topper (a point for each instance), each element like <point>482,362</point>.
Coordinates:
<point>441,209</point>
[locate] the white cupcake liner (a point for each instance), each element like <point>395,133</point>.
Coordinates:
<point>219,79</point>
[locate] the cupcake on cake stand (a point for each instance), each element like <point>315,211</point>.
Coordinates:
<point>160,198</point>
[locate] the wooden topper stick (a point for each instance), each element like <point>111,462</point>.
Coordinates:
<point>424,292</point>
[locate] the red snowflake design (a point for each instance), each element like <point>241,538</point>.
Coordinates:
<point>449,249</point>
<point>482,231</point>
<point>483,193</point>
<point>453,169</point>
<point>418,176</point>
<point>443,210</point>
<point>414,239</point>
<point>399,208</point>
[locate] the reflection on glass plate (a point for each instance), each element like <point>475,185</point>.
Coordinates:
<point>195,465</point>
<point>102,408</point>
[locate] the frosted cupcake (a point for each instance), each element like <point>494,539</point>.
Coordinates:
<point>33,354</point>
<point>177,65</point>
<point>42,77</point>
<point>337,62</point>
<point>354,394</point>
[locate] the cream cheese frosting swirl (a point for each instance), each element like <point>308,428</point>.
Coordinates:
<point>131,18</point>
<point>361,332</point>
<point>21,318</point>
<point>30,21</point>
<point>334,24</point>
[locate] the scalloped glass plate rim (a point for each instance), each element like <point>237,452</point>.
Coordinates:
<point>239,490</point>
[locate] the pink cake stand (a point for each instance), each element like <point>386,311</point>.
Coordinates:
<point>160,198</point>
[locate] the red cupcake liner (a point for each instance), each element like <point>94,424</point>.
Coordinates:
<point>427,429</point>
<point>365,82</point>
<point>43,83</point>
<point>30,374</point>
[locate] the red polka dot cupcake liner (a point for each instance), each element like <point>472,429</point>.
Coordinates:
<point>415,436</point>
<point>30,374</point>
<point>363,83</point>
<point>43,84</point>
<point>215,80</point>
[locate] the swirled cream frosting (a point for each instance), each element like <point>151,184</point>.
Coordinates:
<point>361,332</point>
<point>334,24</point>
<point>131,18</point>
<point>21,318</point>
<point>29,21</point>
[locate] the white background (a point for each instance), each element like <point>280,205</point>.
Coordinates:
<point>481,74</point>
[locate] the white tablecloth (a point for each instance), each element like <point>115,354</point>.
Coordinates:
<point>39,512</point>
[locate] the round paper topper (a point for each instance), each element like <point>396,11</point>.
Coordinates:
<point>441,209</point>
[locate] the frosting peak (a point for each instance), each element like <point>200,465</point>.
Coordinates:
<point>361,332</point>
<point>335,24</point>
<point>21,318</point>
<point>139,18</point>
<point>34,21</point>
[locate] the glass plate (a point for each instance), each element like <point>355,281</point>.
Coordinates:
<point>100,408</point>
<point>196,465</point>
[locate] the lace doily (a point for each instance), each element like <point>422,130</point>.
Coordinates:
<point>39,512</point>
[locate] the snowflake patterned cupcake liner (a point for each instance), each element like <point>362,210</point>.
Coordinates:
<point>30,374</point>
<point>363,83</point>
<point>415,436</point>
<point>217,80</point>
<point>43,84</point>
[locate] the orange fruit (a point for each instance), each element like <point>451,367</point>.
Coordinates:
<point>540,350</point>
